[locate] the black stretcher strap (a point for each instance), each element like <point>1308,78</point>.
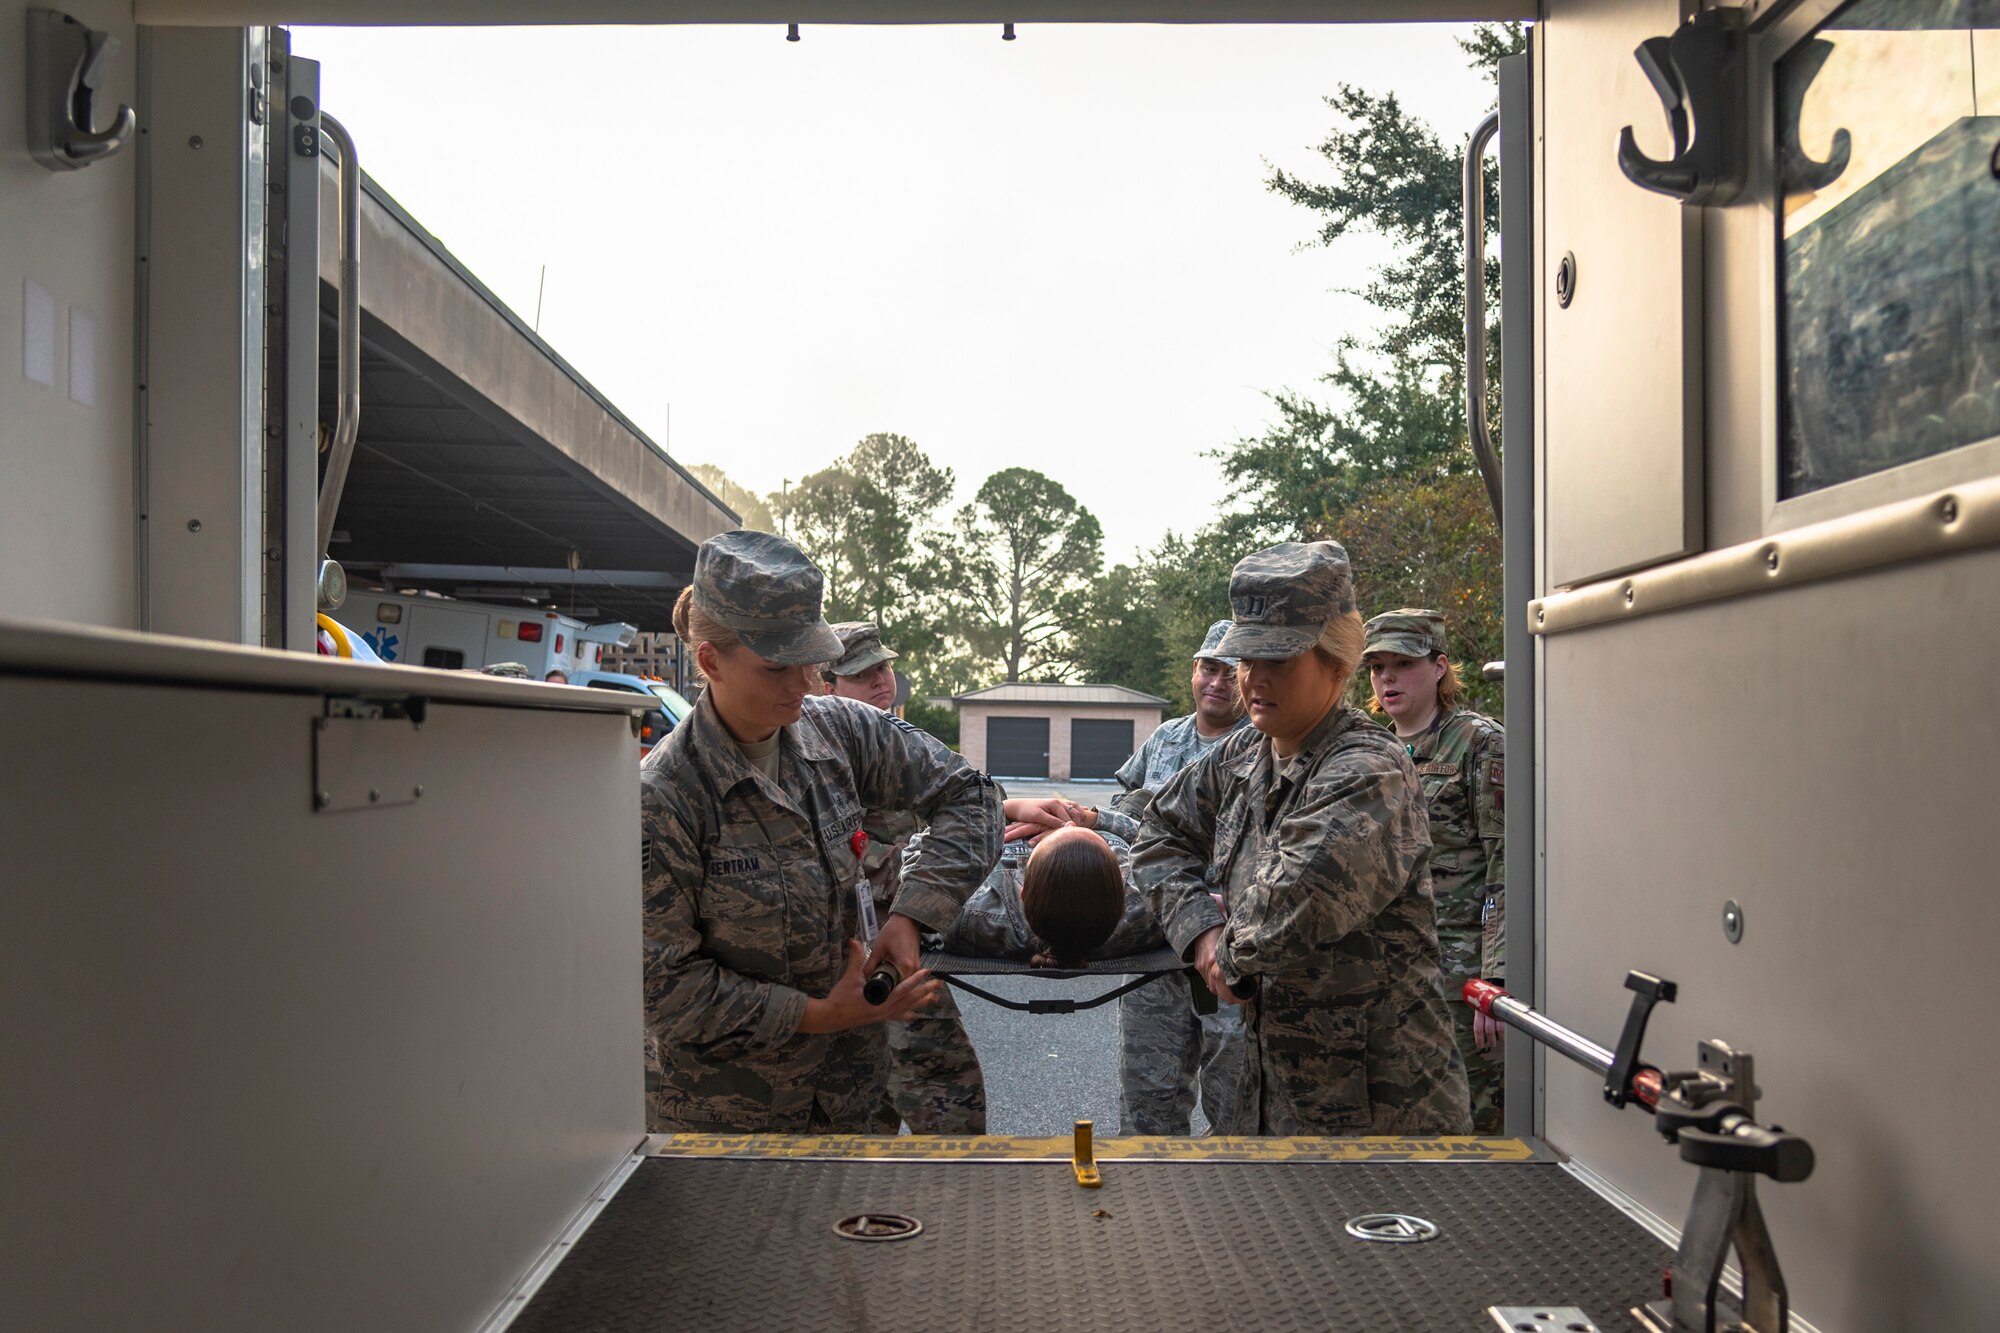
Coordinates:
<point>1152,962</point>
<point>1063,1006</point>
<point>1142,967</point>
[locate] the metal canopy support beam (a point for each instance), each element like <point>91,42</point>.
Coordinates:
<point>630,578</point>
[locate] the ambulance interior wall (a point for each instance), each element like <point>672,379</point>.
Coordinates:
<point>271,1068</point>
<point>1826,757</point>
<point>66,358</point>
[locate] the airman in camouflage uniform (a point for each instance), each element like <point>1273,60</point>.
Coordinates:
<point>1461,762</point>
<point>1166,1049</point>
<point>1325,857</point>
<point>935,1083</point>
<point>749,898</point>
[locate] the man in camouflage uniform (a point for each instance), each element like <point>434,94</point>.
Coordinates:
<point>1164,1047</point>
<point>750,909</point>
<point>1330,938</point>
<point>935,1083</point>
<point>1461,762</point>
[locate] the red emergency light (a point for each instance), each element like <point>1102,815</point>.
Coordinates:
<point>530,632</point>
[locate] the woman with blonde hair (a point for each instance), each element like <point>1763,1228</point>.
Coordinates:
<point>1313,827</point>
<point>1461,761</point>
<point>759,927</point>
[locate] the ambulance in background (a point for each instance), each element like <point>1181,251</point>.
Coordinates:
<point>423,629</point>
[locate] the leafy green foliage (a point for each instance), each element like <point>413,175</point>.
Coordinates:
<point>1432,544</point>
<point>1025,550</point>
<point>1116,634</point>
<point>939,722</point>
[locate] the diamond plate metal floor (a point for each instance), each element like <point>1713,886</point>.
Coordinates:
<point>1249,1247</point>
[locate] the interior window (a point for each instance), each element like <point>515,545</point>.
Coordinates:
<point>1887,124</point>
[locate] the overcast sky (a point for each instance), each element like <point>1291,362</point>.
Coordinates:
<point>1056,252</point>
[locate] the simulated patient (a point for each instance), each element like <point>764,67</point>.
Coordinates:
<point>1059,900</point>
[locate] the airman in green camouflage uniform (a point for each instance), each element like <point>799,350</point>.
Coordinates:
<point>1166,1051</point>
<point>750,897</point>
<point>1461,761</point>
<point>1330,934</point>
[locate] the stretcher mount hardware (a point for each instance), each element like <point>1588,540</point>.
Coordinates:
<point>1082,1162</point>
<point>1709,1112</point>
<point>1542,1319</point>
<point>66,65</point>
<point>1142,968</point>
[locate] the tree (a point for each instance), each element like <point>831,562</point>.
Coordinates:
<point>820,515</point>
<point>754,513</point>
<point>1113,632</point>
<point>1397,405</point>
<point>1190,581</point>
<point>893,540</point>
<point>1316,458</point>
<point>1023,545</point>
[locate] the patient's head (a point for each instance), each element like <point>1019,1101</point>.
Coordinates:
<point>1073,894</point>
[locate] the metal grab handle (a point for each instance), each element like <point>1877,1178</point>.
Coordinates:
<point>1644,1083</point>
<point>1475,310</point>
<point>347,336</point>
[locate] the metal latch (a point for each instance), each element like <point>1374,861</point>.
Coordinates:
<point>368,753</point>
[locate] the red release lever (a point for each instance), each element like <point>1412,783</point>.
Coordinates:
<point>1481,995</point>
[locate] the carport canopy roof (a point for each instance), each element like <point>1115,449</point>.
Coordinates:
<point>486,466</point>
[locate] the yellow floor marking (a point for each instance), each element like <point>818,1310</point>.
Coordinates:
<point>1003,1148</point>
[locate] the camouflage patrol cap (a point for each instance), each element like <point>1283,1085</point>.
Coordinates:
<point>1412,632</point>
<point>863,643</point>
<point>1283,597</point>
<point>765,589</point>
<point>1211,644</point>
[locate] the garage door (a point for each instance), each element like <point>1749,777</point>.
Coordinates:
<point>1098,747</point>
<point>1017,747</point>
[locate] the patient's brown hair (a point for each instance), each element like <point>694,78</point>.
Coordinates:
<point>1073,894</point>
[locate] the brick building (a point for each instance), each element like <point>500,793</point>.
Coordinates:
<point>1063,733</point>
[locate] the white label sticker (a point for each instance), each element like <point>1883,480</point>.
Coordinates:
<point>864,894</point>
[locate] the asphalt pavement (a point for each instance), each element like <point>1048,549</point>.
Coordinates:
<point>1045,1072</point>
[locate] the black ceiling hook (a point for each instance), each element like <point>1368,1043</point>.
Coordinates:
<point>1699,75</point>
<point>1797,172</point>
